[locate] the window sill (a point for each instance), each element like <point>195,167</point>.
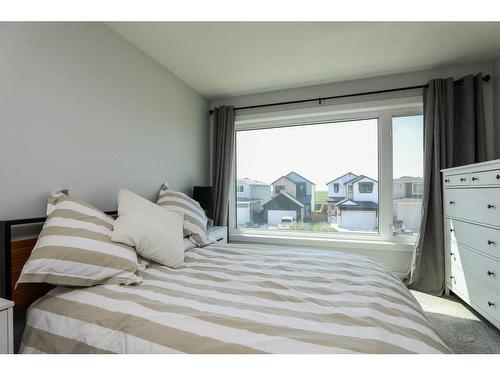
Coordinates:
<point>398,244</point>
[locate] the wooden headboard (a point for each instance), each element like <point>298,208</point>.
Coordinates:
<point>13,256</point>
<point>25,294</point>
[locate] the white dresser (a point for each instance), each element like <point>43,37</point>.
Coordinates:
<point>472,235</point>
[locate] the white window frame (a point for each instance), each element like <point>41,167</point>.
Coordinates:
<point>384,111</point>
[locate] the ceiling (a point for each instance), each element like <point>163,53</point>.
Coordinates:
<point>230,58</point>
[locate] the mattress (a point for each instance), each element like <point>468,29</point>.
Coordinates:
<point>239,299</point>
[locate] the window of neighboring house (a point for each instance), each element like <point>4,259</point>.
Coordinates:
<point>279,188</point>
<point>301,188</point>
<point>417,188</point>
<point>266,154</point>
<point>408,161</point>
<point>240,189</point>
<point>365,187</point>
<point>335,188</point>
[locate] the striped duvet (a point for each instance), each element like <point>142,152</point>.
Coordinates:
<point>239,299</point>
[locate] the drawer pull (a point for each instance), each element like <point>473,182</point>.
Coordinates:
<point>452,254</point>
<point>452,230</point>
<point>446,180</point>
<point>452,277</point>
<point>498,176</point>
<point>475,178</point>
<point>490,273</point>
<point>490,206</point>
<point>452,202</point>
<point>462,179</point>
<point>491,304</point>
<point>491,242</point>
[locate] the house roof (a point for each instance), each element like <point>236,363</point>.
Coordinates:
<point>288,196</point>
<point>250,181</point>
<point>300,177</point>
<point>338,178</point>
<point>349,204</point>
<point>360,177</point>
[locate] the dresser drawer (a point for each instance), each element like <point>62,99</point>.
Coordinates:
<point>476,265</point>
<point>483,239</point>
<point>485,178</point>
<point>479,205</point>
<point>455,279</point>
<point>456,179</point>
<point>484,299</point>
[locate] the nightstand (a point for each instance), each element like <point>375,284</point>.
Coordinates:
<point>6,327</point>
<point>219,234</point>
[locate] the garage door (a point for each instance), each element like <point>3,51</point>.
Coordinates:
<point>274,216</point>
<point>359,220</point>
<point>243,216</point>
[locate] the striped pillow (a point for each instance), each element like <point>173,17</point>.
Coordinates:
<point>195,220</point>
<point>74,248</point>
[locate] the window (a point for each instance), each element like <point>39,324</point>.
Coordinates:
<point>279,188</point>
<point>240,189</point>
<point>418,188</point>
<point>303,155</point>
<point>407,141</point>
<point>366,187</point>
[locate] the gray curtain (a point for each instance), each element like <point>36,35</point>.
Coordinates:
<point>454,134</point>
<point>223,148</point>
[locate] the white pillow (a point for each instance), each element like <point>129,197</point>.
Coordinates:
<point>155,233</point>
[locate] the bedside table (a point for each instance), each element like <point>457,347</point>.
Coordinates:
<point>219,234</point>
<point>6,327</point>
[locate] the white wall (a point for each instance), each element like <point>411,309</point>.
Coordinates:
<point>82,108</point>
<point>378,83</point>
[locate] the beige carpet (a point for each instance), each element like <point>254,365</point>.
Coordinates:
<point>460,327</point>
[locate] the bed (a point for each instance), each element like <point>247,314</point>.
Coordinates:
<point>239,299</point>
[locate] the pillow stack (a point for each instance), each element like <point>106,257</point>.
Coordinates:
<point>195,219</point>
<point>74,248</point>
<point>80,245</point>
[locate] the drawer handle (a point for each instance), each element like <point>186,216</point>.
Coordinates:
<point>462,179</point>
<point>491,242</point>
<point>452,230</point>
<point>475,178</point>
<point>446,180</point>
<point>490,273</point>
<point>491,304</point>
<point>452,202</point>
<point>490,206</point>
<point>452,254</point>
<point>498,176</point>
<point>452,277</point>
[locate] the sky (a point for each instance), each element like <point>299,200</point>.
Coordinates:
<point>323,152</point>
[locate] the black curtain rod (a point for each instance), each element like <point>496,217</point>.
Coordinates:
<point>486,78</point>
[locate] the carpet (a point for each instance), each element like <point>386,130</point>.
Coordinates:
<point>460,327</point>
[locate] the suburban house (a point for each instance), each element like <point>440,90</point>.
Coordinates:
<point>282,205</point>
<point>407,203</point>
<point>353,202</point>
<point>250,196</point>
<point>299,188</point>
